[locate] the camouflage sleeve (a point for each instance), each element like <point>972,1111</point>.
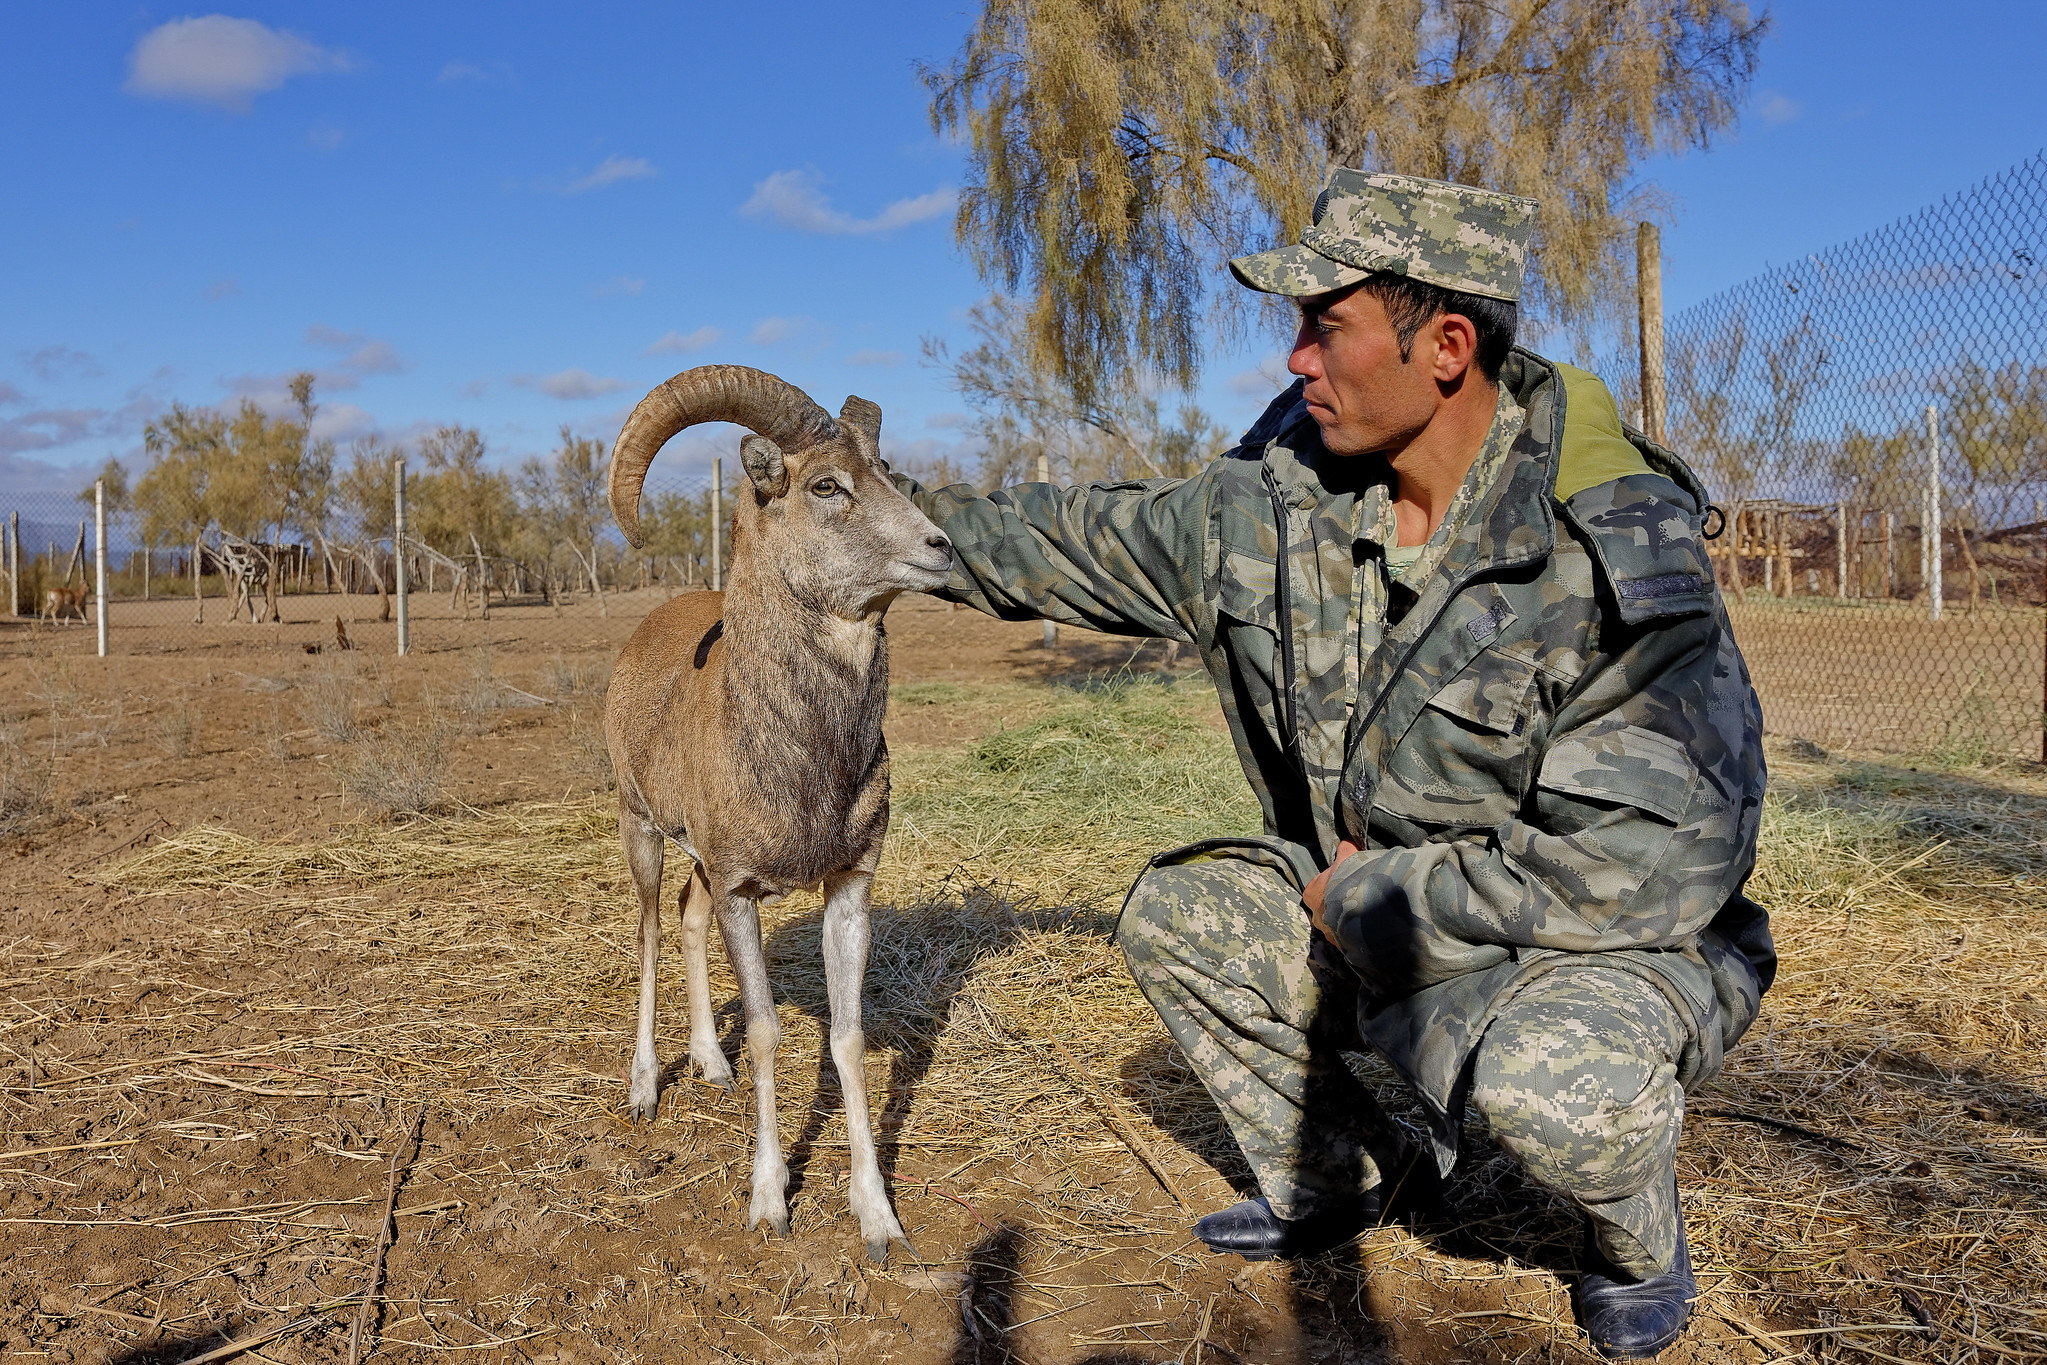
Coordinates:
<point>1121,558</point>
<point>1639,823</point>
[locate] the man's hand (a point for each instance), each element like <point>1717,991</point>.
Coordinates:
<point>1312,896</point>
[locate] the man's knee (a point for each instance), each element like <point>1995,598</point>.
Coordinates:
<point>1207,909</point>
<point>1579,1081</point>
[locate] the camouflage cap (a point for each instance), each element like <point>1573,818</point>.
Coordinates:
<point>1453,236</point>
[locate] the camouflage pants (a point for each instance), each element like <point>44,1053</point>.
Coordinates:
<point>1576,1075</point>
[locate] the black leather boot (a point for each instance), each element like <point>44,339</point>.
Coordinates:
<point>1631,1319</point>
<point>1249,1228</point>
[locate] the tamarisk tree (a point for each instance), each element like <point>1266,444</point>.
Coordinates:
<point>1122,149</point>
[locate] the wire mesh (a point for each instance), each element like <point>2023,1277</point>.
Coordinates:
<point>1872,421</point>
<point>523,580</point>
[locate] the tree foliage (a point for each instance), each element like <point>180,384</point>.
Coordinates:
<point>1122,149</point>
<point>264,479</point>
<point>1021,413</point>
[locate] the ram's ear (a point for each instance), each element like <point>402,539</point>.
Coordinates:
<point>864,416</point>
<point>763,461</point>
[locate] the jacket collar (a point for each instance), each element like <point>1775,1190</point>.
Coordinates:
<point>1514,523</point>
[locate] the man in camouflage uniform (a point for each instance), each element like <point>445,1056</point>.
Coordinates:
<point>1469,646</point>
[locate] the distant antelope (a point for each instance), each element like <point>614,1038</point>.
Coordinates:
<point>58,603</point>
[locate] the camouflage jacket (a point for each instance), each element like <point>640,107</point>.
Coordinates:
<point>1541,734</point>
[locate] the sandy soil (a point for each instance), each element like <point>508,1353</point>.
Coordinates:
<point>166,1191</point>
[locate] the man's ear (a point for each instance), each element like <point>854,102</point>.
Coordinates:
<point>1456,347</point>
<point>763,461</point>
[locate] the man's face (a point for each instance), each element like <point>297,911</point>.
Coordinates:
<point>1360,393</point>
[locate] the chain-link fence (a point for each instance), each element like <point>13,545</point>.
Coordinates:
<point>528,582</point>
<point>1872,421</point>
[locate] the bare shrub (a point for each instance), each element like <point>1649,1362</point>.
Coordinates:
<point>577,678</point>
<point>327,702</point>
<point>589,760</point>
<point>176,728</point>
<point>25,780</point>
<point>399,771</point>
<point>57,686</point>
<point>483,695</point>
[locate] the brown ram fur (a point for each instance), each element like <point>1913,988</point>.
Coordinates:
<point>745,727</point>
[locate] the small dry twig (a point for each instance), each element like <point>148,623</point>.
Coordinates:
<point>399,1159</point>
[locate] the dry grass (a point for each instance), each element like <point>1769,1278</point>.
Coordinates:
<point>327,700</point>
<point>398,770</point>
<point>1872,1160</point>
<point>25,771</point>
<point>175,729</point>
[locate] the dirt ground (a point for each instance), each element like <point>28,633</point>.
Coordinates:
<point>185,1179</point>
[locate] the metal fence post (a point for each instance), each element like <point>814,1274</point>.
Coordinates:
<point>1649,298</point>
<point>398,553</point>
<point>717,525</point>
<point>1841,550</point>
<point>1933,585</point>
<point>99,560</point>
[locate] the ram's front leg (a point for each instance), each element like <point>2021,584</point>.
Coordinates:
<point>846,937</point>
<point>739,921</point>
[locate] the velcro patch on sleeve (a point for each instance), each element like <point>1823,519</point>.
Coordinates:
<point>1661,586</point>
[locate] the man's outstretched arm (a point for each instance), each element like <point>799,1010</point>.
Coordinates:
<point>1124,559</point>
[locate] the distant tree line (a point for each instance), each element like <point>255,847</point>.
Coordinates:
<point>250,482</point>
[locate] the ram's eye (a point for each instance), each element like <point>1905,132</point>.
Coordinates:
<point>825,488</point>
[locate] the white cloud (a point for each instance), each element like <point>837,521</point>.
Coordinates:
<point>865,357</point>
<point>320,334</point>
<point>224,288</point>
<point>9,394</point>
<point>680,343</point>
<point>325,136</point>
<point>222,61</point>
<point>569,384</point>
<point>946,421</point>
<point>476,388</point>
<point>1262,382</point>
<point>611,171</point>
<point>627,285</point>
<point>366,355</point>
<point>796,199</point>
<point>1778,108</point>
<point>49,428</point>
<point>374,357</point>
<point>342,422</point>
<point>51,363</point>
<point>772,331</point>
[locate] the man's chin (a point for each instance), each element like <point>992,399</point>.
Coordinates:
<point>1335,439</point>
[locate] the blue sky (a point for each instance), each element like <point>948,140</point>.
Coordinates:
<point>519,216</point>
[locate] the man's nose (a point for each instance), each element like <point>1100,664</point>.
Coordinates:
<point>1306,358</point>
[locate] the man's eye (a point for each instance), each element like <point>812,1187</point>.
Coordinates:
<point>825,488</point>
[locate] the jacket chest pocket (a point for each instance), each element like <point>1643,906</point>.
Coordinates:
<point>1463,763</point>
<point>1247,627</point>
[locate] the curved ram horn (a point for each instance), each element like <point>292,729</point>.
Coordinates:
<point>759,401</point>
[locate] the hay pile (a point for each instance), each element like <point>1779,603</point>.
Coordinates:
<point>1867,1179</point>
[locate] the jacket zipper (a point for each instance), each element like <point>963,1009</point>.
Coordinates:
<point>1291,739</point>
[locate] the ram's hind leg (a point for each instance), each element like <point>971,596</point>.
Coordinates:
<point>739,920</point>
<point>696,965</point>
<point>643,857</point>
<point>846,936</point>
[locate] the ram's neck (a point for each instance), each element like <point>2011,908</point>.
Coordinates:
<point>807,689</point>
